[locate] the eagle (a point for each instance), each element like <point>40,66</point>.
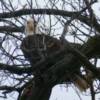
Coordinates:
<point>51,44</point>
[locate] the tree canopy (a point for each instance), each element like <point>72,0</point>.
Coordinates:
<point>66,52</point>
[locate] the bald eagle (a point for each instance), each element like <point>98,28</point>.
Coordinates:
<point>49,44</point>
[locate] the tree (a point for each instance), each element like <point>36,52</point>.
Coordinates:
<point>33,71</point>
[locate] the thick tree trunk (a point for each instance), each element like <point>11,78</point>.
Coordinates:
<point>41,91</point>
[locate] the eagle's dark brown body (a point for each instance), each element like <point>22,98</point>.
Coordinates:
<point>36,46</point>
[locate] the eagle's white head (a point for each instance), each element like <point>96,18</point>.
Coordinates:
<point>30,27</point>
